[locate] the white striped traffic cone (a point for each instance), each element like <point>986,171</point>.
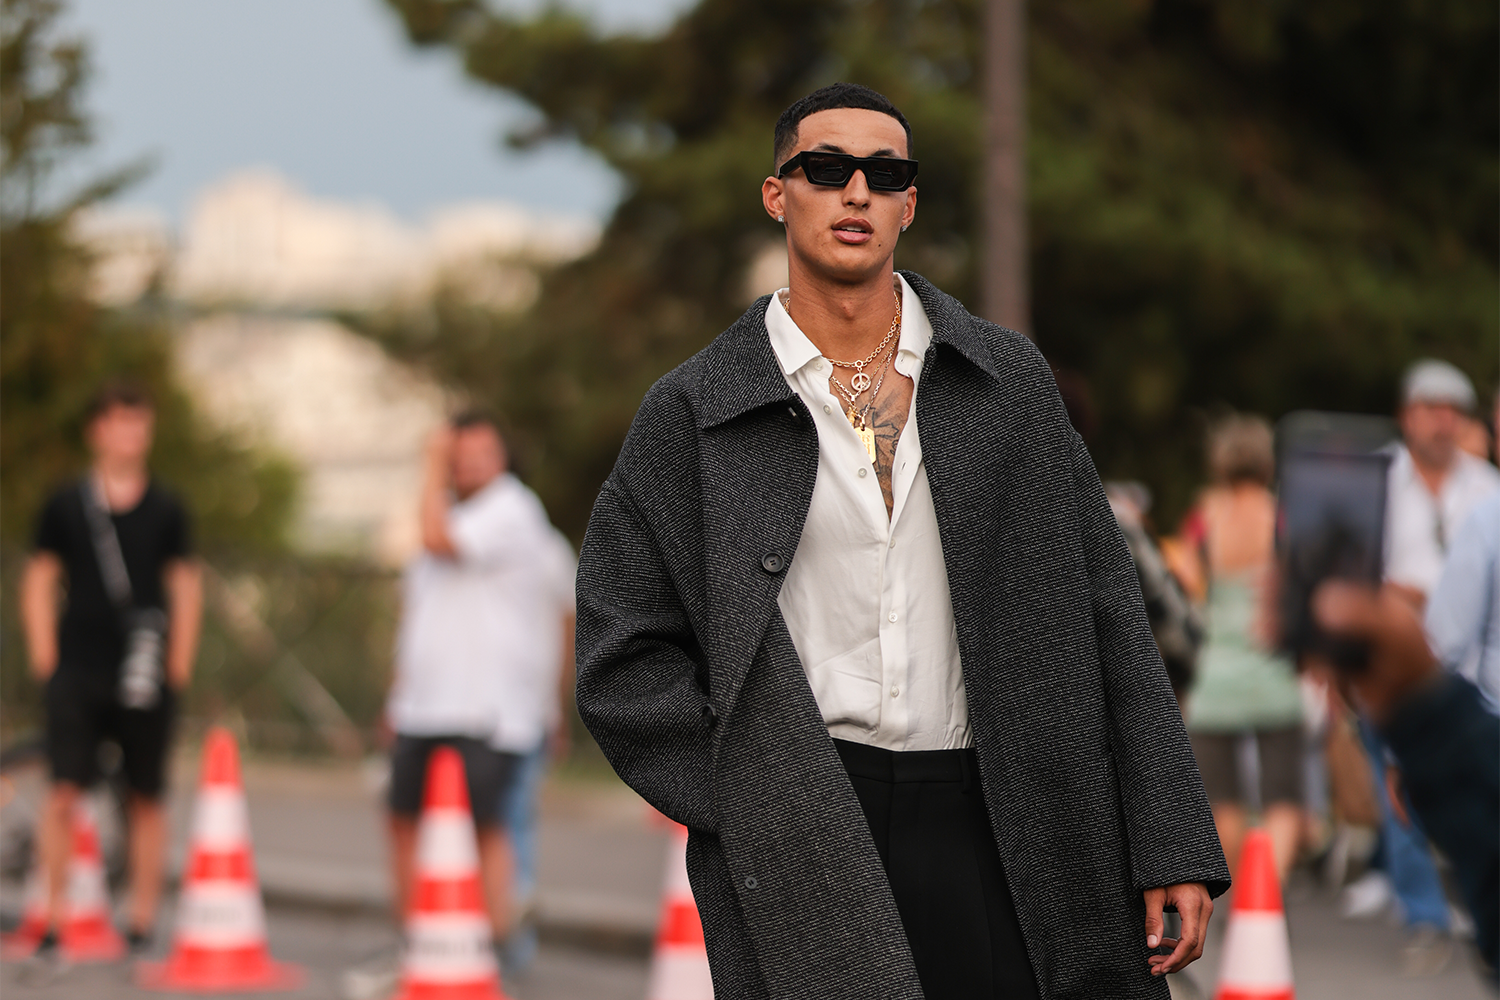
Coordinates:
<point>679,967</point>
<point>87,934</point>
<point>221,926</point>
<point>1257,954</point>
<point>448,954</point>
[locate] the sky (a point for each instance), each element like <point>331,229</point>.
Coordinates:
<point>328,93</point>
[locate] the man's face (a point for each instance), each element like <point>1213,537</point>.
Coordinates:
<point>122,435</point>
<point>1431,432</point>
<point>842,234</point>
<point>478,457</point>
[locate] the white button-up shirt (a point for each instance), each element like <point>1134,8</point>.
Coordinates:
<point>866,596</point>
<point>1419,527</point>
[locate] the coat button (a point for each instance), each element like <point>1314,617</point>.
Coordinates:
<point>772,562</point>
<point>750,882</point>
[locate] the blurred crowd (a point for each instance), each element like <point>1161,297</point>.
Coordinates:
<point>1317,757</point>
<point>1289,743</point>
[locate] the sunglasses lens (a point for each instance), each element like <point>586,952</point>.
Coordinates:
<point>827,170</point>
<point>884,176</point>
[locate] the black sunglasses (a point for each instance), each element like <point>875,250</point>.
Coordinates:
<point>882,173</point>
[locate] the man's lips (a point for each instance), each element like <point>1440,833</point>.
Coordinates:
<point>853,230</point>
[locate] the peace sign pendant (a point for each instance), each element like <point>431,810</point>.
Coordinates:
<point>860,382</point>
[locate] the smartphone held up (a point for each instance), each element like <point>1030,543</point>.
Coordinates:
<point>1330,520</point>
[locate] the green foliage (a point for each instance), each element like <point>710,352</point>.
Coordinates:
<point>1253,203</point>
<point>57,346</point>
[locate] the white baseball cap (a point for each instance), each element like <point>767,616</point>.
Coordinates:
<point>1433,381</point>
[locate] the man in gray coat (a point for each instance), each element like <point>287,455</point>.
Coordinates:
<point>899,686</point>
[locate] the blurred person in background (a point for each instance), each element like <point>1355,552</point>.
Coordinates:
<point>1463,610</point>
<point>534,716</point>
<point>464,624</point>
<point>1176,624</point>
<point>1246,695</point>
<point>111,606</point>
<point>1433,486</point>
<point>1474,438</point>
<point>1434,483</point>
<point>875,639</point>
<point>1441,732</point>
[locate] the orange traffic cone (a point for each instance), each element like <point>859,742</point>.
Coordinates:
<point>87,935</point>
<point>22,941</point>
<point>1257,955</point>
<point>679,968</point>
<point>220,945</point>
<point>448,954</point>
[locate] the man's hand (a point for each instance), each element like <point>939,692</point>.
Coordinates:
<point>1400,662</point>
<point>1193,905</point>
<point>439,453</point>
<point>436,480</point>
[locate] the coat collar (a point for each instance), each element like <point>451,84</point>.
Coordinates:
<point>741,373</point>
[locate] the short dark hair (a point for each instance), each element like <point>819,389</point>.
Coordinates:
<point>835,95</point>
<point>471,417</point>
<point>120,391</point>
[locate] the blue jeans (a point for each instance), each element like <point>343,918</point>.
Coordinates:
<point>1408,859</point>
<point>518,813</point>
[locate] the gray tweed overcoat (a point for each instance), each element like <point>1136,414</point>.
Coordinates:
<point>688,678</point>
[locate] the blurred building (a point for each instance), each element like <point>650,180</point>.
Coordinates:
<point>258,271</point>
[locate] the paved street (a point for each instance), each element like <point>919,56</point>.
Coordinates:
<point>320,850</point>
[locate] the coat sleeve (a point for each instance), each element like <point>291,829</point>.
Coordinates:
<point>639,666</point>
<point>1167,818</point>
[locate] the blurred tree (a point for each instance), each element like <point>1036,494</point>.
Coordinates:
<point>57,346</point>
<point>1253,203</point>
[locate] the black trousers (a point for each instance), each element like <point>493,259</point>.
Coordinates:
<point>927,815</point>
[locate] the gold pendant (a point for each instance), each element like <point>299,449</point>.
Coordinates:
<point>867,438</point>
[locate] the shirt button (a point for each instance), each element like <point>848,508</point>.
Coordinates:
<point>827,408</point>
<point>893,616</point>
<point>817,366</point>
<point>893,543</point>
<point>863,473</point>
<point>895,692</point>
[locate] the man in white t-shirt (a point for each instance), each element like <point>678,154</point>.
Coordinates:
<point>469,650</point>
<point>1433,482</point>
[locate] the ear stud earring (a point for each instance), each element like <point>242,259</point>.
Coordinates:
<point>903,228</point>
<point>780,218</point>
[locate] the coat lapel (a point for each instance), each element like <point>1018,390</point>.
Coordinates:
<point>759,455</point>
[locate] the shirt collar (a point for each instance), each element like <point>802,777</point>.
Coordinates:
<point>794,350</point>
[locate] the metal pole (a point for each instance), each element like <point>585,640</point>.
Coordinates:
<point>1004,281</point>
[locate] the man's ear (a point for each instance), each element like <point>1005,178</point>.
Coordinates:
<point>773,196</point>
<point>911,207</point>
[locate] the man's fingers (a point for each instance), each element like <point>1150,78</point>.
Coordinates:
<point>1154,900</point>
<point>1191,911</point>
<point>1194,907</point>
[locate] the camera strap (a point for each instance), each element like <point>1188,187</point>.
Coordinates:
<point>106,545</point>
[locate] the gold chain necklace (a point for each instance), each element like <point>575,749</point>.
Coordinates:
<point>859,416</point>
<point>861,381</point>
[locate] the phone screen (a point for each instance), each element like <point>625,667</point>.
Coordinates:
<point>1331,496</point>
